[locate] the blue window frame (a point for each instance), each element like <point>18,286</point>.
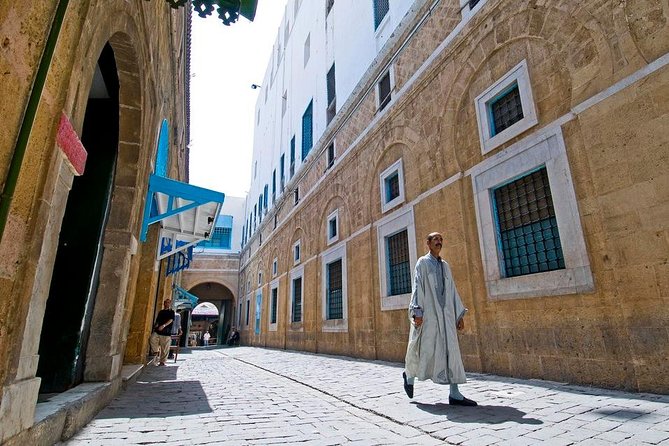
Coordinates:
<point>273,186</point>
<point>265,195</point>
<point>392,184</point>
<point>505,109</point>
<point>273,305</point>
<point>381,8</point>
<point>307,130</point>
<point>399,267</point>
<point>292,157</point>
<point>335,309</point>
<point>527,233</point>
<point>297,300</point>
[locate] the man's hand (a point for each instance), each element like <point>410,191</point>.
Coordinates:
<point>417,321</point>
<point>461,324</point>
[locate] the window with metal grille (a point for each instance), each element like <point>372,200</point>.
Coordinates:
<point>381,8</point>
<point>384,91</point>
<point>334,292</point>
<point>221,239</point>
<point>291,171</point>
<point>248,311</point>
<point>331,155</point>
<point>273,306</point>
<point>275,266</point>
<point>399,269</point>
<point>332,228</point>
<point>297,299</point>
<point>239,315</point>
<point>506,109</point>
<point>392,187</point>
<point>331,90</point>
<point>527,229</point>
<point>296,252</point>
<point>307,130</point>
<point>282,172</point>
<point>328,6</point>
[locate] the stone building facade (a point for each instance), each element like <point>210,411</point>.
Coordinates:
<point>591,82</point>
<point>112,71</point>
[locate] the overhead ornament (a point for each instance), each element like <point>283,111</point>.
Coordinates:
<point>228,10</point>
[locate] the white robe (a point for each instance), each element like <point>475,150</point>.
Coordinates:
<point>433,351</point>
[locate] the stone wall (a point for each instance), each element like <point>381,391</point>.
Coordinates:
<point>600,82</point>
<point>147,39</point>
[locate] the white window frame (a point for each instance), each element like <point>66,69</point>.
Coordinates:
<point>397,166</point>
<point>297,249</point>
<point>390,225</point>
<point>520,75</point>
<point>391,72</point>
<point>333,216</point>
<point>547,148</point>
<point>273,286</point>
<point>275,266</point>
<point>331,255</point>
<point>296,273</point>
<point>466,11</point>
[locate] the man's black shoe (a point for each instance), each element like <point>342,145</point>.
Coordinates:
<point>408,388</point>
<point>463,402</point>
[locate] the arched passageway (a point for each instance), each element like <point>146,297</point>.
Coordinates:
<point>223,298</point>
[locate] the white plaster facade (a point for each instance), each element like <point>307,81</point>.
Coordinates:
<point>296,76</point>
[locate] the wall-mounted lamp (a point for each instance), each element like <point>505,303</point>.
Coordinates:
<point>254,86</point>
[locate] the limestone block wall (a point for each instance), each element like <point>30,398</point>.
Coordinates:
<point>147,39</point>
<point>599,78</point>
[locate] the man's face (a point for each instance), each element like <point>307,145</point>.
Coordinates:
<point>167,303</point>
<point>435,242</point>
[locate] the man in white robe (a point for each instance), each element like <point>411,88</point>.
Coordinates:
<point>436,313</point>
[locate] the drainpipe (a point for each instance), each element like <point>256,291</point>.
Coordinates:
<point>29,115</point>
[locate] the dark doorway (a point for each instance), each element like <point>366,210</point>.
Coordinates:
<point>69,308</point>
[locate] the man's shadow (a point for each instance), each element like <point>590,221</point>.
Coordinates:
<point>479,414</point>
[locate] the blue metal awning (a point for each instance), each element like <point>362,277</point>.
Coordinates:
<point>184,297</point>
<point>187,213</point>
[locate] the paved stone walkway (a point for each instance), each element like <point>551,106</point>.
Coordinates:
<point>248,396</point>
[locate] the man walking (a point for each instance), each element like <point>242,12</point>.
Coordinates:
<point>436,313</point>
<point>161,337</point>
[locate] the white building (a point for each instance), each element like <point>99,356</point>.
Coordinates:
<point>322,50</point>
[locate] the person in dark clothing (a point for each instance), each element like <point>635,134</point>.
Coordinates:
<point>161,337</point>
<point>234,336</point>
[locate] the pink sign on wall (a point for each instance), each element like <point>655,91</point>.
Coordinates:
<point>69,143</point>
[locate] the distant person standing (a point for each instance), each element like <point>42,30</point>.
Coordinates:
<point>161,337</point>
<point>234,337</point>
<point>206,338</point>
<point>176,331</point>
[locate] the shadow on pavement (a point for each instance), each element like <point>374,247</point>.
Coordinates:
<point>479,414</point>
<point>160,400</point>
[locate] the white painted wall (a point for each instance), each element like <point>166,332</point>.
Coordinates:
<point>346,37</point>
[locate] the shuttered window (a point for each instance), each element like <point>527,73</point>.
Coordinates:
<point>307,130</point>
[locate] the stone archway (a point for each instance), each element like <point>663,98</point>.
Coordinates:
<point>224,299</point>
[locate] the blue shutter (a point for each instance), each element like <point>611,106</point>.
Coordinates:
<point>307,130</point>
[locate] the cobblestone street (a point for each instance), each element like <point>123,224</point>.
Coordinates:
<point>255,396</point>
